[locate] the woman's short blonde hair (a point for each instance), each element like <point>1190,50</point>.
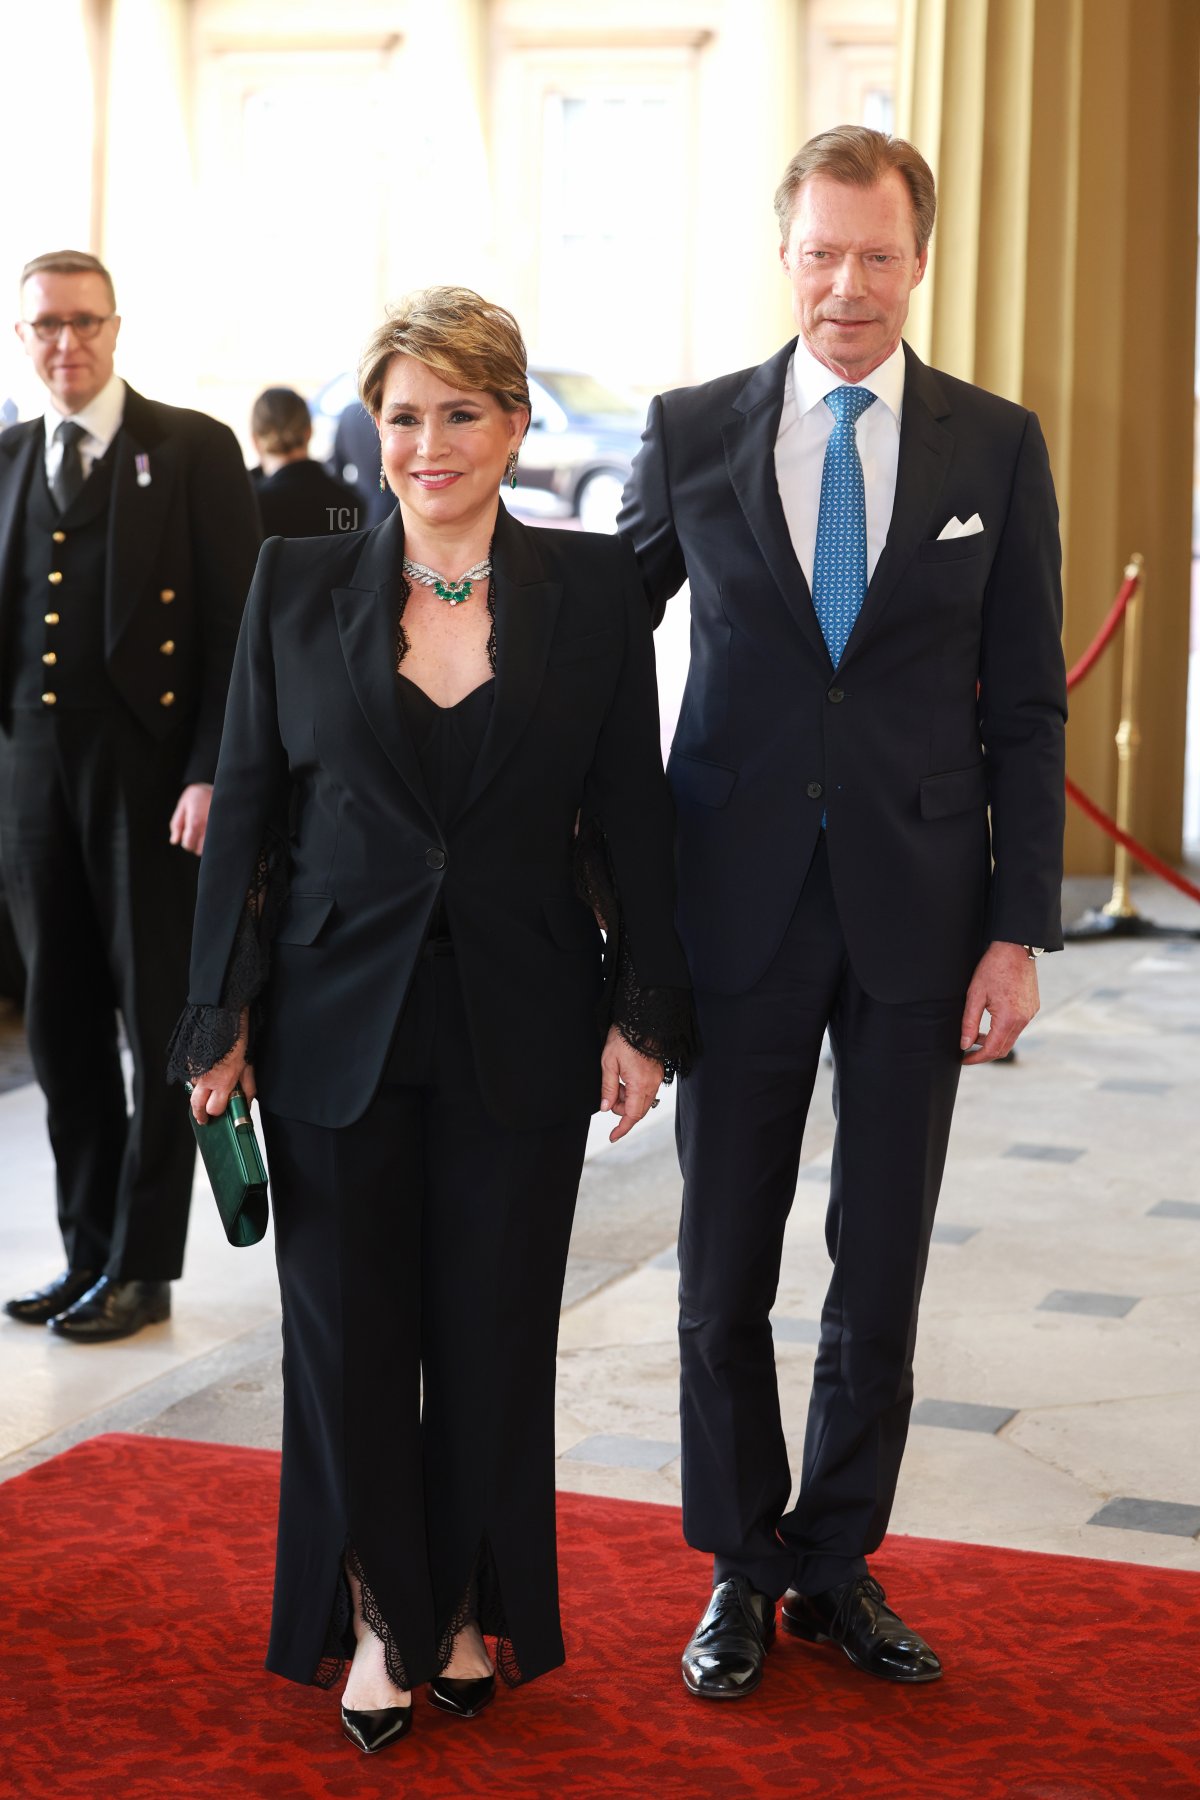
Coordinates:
<point>466,340</point>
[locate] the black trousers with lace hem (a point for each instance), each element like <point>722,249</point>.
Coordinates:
<point>421,1255</point>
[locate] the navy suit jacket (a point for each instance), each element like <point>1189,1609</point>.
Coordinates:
<point>935,751</point>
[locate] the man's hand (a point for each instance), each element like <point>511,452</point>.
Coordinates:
<point>210,1093</point>
<point>629,1082</point>
<point>1005,984</point>
<point>189,821</point>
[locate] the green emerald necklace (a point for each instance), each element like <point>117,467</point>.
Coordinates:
<point>452,592</point>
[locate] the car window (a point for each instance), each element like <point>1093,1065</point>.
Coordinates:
<point>336,395</point>
<point>584,394</point>
<point>545,414</point>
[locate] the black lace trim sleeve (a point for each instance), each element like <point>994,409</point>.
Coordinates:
<point>658,1022</point>
<point>204,1035</point>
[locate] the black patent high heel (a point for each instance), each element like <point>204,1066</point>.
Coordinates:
<point>464,1696</point>
<point>375,1730</point>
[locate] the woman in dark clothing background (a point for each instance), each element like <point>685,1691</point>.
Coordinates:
<point>296,496</point>
<point>426,712</point>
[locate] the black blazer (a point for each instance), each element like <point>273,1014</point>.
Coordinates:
<point>301,499</point>
<point>180,556</point>
<point>315,725</point>
<point>949,701</point>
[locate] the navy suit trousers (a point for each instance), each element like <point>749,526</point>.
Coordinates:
<point>740,1126</point>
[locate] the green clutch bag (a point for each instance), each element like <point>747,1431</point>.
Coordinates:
<point>235,1169</point>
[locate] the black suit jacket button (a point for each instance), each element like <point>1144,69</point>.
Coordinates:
<point>836,694</point>
<point>814,790</point>
<point>435,859</point>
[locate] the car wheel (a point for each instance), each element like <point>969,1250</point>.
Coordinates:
<point>599,500</point>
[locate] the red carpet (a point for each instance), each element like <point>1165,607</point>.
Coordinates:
<point>135,1623</point>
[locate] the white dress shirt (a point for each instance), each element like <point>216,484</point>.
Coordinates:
<point>101,420</point>
<point>804,430</point>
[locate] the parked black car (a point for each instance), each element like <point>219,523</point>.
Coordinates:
<point>582,439</point>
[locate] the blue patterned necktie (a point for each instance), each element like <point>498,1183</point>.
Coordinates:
<point>840,556</point>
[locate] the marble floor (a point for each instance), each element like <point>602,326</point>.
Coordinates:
<point>1058,1369</point>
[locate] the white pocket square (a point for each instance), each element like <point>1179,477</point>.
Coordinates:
<point>957,528</point>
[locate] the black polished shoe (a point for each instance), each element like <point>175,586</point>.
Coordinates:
<point>47,1302</point>
<point>856,1617</point>
<point>725,1656</point>
<point>462,1695</point>
<point>114,1309</point>
<point>374,1731</point>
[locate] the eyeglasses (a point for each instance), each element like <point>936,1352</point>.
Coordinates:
<point>86,326</point>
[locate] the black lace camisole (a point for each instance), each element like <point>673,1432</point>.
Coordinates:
<point>447,740</point>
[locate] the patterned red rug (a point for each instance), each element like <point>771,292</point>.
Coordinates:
<point>136,1581</point>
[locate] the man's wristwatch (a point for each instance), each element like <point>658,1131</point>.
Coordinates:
<point>1032,950</point>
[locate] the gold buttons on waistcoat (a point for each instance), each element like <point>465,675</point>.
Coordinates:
<point>49,659</point>
<point>49,699</point>
<point>58,537</point>
<point>167,699</point>
<point>167,595</point>
<point>167,649</point>
<point>50,618</point>
<point>54,577</point>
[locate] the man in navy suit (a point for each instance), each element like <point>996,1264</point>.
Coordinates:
<point>868,774</point>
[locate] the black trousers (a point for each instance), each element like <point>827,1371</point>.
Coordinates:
<point>102,908</point>
<point>421,1257</point>
<point>740,1124</point>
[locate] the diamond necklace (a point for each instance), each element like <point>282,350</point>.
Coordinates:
<point>452,592</point>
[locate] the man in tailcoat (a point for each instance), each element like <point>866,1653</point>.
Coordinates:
<point>128,536</point>
<point>868,775</point>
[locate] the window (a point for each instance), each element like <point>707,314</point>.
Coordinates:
<point>611,291</point>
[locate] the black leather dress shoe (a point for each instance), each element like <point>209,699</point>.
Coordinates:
<point>47,1302</point>
<point>725,1656</point>
<point>462,1695</point>
<point>856,1617</point>
<point>114,1309</point>
<point>374,1731</point>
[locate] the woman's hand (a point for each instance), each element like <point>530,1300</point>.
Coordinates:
<point>629,1082</point>
<point>210,1093</point>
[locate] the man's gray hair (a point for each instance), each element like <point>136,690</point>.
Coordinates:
<point>860,157</point>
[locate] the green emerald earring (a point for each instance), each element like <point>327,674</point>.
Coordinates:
<point>510,471</point>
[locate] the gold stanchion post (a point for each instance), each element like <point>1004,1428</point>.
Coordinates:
<point>1120,917</point>
<point>1128,741</point>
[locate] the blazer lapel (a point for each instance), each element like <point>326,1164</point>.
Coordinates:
<point>18,459</point>
<point>526,614</point>
<point>367,612</point>
<point>137,515</point>
<point>926,449</point>
<point>750,458</point>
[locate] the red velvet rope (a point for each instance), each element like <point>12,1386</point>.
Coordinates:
<point>1104,636</point>
<point>1146,857</point>
<point>1090,657</point>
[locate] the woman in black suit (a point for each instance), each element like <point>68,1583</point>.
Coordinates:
<point>425,712</point>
